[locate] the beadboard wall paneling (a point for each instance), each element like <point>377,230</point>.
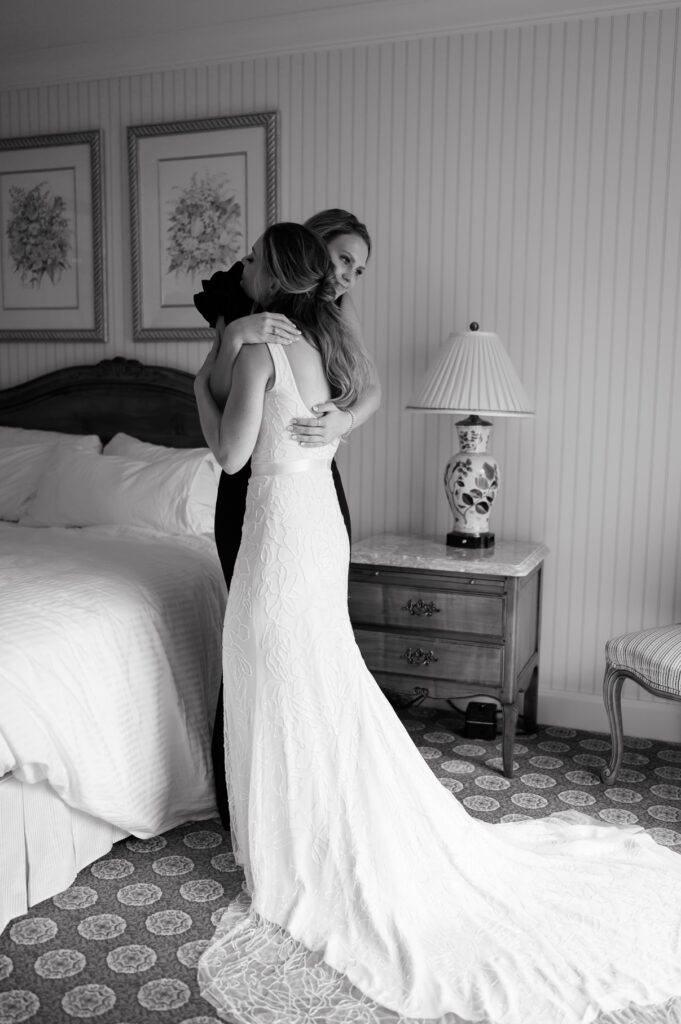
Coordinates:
<point>526,178</point>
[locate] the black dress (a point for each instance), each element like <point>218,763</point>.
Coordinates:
<point>222,295</point>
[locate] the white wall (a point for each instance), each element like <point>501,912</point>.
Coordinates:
<point>527,178</point>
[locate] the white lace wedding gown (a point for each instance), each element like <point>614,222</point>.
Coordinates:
<point>373,896</point>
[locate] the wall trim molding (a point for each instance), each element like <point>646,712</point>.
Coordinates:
<point>344,24</point>
<point>652,719</point>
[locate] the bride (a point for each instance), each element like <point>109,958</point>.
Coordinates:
<point>371,896</point>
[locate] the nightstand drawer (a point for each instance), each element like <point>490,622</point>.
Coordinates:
<point>436,623</point>
<point>425,610</point>
<point>424,658</point>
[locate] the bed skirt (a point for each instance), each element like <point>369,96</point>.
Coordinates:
<point>44,843</point>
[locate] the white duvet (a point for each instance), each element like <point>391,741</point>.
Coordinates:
<point>110,663</point>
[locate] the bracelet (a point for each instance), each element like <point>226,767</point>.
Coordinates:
<point>345,436</point>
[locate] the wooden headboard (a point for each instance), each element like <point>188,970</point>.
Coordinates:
<point>152,403</point>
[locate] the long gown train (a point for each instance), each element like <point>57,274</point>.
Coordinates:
<point>372,896</point>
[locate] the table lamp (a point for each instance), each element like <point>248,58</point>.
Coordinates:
<point>472,374</point>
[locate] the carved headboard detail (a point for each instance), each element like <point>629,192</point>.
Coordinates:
<point>153,403</point>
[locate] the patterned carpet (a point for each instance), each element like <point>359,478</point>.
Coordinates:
<point>121,945</point>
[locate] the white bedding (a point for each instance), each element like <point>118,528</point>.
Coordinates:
<point>110,662</point>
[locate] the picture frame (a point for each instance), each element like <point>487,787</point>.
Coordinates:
<point>52,238</point>
<point>201,193</point>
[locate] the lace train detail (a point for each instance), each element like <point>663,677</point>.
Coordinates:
<point>255,971</point>
<point>376,897</point>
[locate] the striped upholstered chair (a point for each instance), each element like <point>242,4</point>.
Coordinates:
<point>652,658</point>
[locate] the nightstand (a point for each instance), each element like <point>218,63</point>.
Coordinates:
<point>441,623</point>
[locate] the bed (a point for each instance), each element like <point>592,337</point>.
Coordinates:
<point>110,631</point>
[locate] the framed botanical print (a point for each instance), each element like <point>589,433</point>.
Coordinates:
<point>201,192</point>
<point>51,238</point>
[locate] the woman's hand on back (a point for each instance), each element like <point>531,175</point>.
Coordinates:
<point>262,327</point>
<point>330,424</point>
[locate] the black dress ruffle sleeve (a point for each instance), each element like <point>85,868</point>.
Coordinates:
<point>222,294</point>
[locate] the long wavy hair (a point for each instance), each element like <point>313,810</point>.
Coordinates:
<point>334,222</point>
<point>298,263</point>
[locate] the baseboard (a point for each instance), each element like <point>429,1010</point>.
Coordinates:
<point>653,719</point>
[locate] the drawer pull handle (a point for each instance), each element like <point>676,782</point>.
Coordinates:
<point>417,656</point>
<point>420,607</point>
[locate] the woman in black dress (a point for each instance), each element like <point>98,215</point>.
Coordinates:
<point>222,302</point>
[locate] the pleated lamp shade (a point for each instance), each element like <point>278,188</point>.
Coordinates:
<point>472,374</point>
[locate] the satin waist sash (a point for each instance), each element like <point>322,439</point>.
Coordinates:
<point>290,466</point>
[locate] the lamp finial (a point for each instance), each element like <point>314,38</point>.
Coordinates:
<point>474,326</point>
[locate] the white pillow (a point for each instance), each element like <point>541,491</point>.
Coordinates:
<point>132,447</point>
<point>20,435</point>
<point>24,455</point>
<point>21,467</point>
<point>204,489</point>
<point>85,489</point>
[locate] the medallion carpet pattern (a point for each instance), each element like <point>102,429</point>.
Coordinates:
<point>121,945</point>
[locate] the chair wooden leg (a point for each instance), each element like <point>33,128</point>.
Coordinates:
<point>612,697</point>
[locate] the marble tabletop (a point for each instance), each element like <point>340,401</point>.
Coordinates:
<point>430,553</point>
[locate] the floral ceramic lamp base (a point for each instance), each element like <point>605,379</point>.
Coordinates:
<point>471,482</point>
